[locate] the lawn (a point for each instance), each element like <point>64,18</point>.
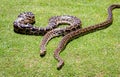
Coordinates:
<point>94,55</point>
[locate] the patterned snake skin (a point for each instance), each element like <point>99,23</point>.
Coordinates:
<point>25,21</point>
<point>24,25</point>
<point>81,32</point>
<point>74,23</point>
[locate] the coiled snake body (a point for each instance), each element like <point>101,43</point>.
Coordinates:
<point>24,25</point>
<point>74,23</point>
<point>25,21</point>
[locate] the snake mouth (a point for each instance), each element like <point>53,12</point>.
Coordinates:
<point>42,53</point>
<point>60,65</point>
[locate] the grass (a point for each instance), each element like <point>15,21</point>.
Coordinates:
<point>93,55</point>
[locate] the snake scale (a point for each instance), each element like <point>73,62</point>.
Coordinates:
<point>25,21</point>
<point>83,31</point>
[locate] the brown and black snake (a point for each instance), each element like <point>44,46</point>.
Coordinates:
<point>74,24</point>
<point>81,32</point>
<point>24,24</point>
<point>25,21</point>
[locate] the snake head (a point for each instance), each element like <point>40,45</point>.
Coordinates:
<point>28,17</point>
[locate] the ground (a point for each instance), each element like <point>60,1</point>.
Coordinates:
<point>93,55</point>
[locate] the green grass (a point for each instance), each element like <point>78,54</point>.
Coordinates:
<point>93,55</point>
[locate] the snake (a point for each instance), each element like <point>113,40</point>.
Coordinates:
<point>83,31</point>
<point>73,22</point>
<point>24,24</point>
<point>25,21</point>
